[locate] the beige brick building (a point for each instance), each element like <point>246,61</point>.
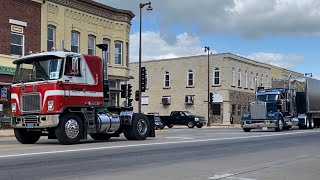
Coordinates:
<point>78,25</point>
<point>181,84</point>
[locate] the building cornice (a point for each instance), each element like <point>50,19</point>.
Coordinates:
<point>97,9</point>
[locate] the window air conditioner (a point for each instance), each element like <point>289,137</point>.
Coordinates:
<point>166,100</point>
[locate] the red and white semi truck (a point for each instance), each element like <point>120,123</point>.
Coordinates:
<point>63,95</point>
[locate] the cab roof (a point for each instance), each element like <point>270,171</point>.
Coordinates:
<point>43,56</point>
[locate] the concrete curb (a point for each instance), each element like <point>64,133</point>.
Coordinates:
<point>6,132</point>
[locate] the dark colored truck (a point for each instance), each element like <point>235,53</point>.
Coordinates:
<point>183,118</point>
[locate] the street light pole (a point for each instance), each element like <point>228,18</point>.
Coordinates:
<point>207,49</point>
<point>141,5</point>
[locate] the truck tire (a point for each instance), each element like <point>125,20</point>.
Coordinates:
<point>199,126</point>
<point>27,137</point>
<point>170,125</point>
<point>191,124</point>
<point>100,136</point>
<point>280,125</point>
<point>70,129</point>
<point>140,128</point>
<point>246,129</point>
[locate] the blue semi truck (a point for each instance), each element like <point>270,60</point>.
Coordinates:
<point>289,102</point>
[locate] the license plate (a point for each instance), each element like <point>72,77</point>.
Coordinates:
<point>30,125</point>
<point>264,128</point>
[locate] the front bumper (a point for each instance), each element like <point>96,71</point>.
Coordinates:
<point>259,124</point>
<point>34,121</point>
<point>201,123</point>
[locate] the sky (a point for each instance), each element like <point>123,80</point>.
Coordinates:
<point>283,33</point>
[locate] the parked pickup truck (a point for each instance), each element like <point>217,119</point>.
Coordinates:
<point>183,118</point>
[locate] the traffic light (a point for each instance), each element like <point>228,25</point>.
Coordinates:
<point>130,102</point>
<point>137,96</point>
<point>129,91</point>
<point>123,91</point>
<point>143,79</point>
<point>211,98</point>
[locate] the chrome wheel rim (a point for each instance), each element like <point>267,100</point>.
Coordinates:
<point>312,123</point>
<point>307,123</point>
<point>190,124</point>
<point>72,128</point>
<point>142,126</point>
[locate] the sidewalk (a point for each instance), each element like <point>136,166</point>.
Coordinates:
<point>6,132</point>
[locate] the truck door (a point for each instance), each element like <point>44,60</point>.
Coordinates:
<point>74,89</point>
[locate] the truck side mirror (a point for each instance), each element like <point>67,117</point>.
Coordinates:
<point>75,67</point>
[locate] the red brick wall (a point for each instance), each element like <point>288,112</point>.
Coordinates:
<point>21,10</point>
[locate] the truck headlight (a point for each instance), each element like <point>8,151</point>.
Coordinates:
<point>14,107</point>
<point>50,105</point>
<point>196,119</point>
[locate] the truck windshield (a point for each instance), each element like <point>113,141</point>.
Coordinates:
<point>267,97</point>
<point>32,71</point>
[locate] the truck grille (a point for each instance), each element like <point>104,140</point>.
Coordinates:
<point>31,102</point>
<point>30,119</point>
<point>258,110</point>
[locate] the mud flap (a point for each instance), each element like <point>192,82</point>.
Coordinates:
<point>152,132</point>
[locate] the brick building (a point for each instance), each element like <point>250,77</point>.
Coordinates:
<point>181,84</point>
<point>20,32</point>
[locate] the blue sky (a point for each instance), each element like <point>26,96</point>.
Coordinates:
<point>285,33</point>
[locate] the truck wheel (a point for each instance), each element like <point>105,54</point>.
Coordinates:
<point>246,129</point>
<point>100,136</point>
<point>27,137</point>
<point>140,128</point>
<point>161,126</point>
<point>170,126</point>
<point>69,130</point>
<point>190,124</point>
<point>199,126</point>
<point>280,125</point>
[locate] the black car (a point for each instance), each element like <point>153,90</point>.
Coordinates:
<point>158,124</point>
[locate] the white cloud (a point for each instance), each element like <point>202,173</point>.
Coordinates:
<point>155,47</point>
<point>287,61</point>
<point>250,18</point>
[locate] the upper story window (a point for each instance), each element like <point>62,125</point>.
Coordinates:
<point>261,80</point>
<point>75,41</point>
<point>146,82</point>
<point>216,76</point>
<point>51,41</point>
<point>106,56</point>
<point>166,79</point>
<point>256,81</point>
<point>251,80</point>
<point>91,45</point>
<point>16,44</point>
<point>267,80</point>
<point>239,78</point>
<point>118,52</point>
<point>246,79</point>
<point>233,79</point>
<point>190,78</point>
<point>127,54</point>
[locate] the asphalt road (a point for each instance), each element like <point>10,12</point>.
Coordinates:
<point>177,154</point>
